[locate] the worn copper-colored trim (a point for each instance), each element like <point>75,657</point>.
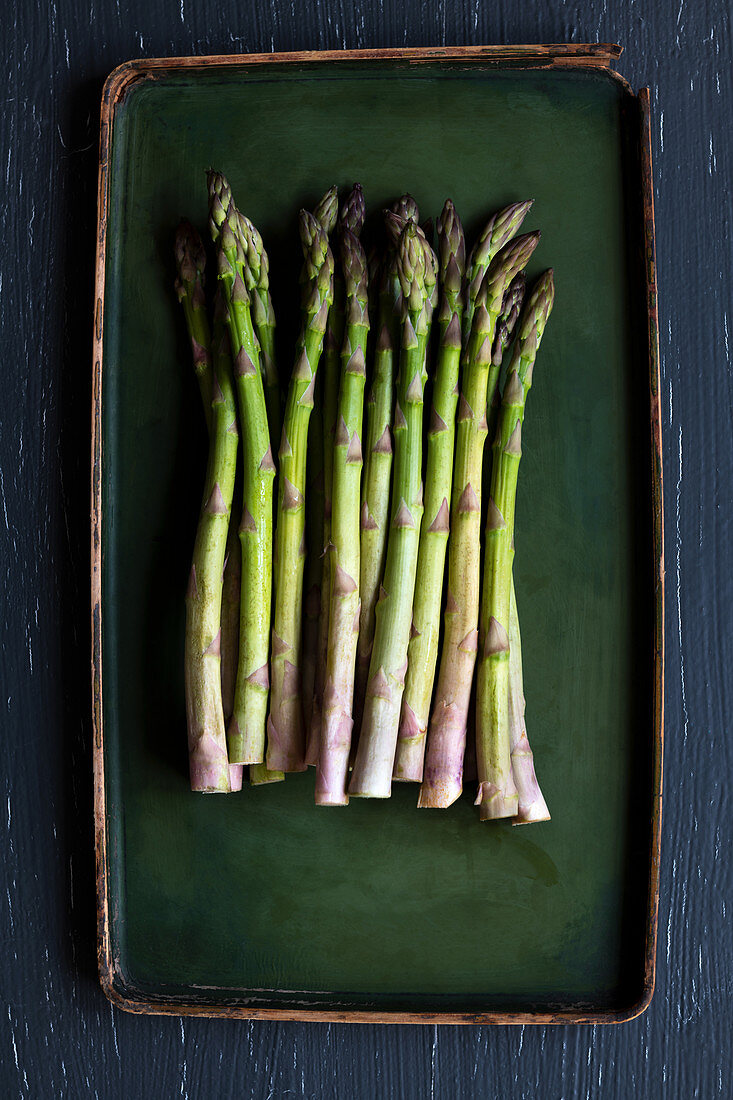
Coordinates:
<point>104,948</point>
<point>589,57</point>
<point>593,55</point>
<point>361,1016</point>
<point>650,266</point>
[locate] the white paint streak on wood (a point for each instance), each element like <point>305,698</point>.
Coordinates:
<point>678,591</point>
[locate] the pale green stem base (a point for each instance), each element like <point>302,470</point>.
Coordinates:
<point>532,806</point>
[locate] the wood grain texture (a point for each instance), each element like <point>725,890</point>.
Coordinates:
<point>58,1036</point>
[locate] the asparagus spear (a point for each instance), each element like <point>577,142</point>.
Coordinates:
<point>497,793</point>
<point>230,592</point>
<point>351,216</point>
<point>442,776</point>
<point>208,760</point>
<point>209,763</point>
<point>496,233</point>
<point>375,270</point>
<point>285,749</point>
<point>327,212</point>
<point>423,650</point>
<point>191,262</point>
<point>532,805</point>
<point>256,273</point>
<point>314,520</point>
<point>504,332</point>
<point>330,368</point>
<point>246,732</point>
<point>503,336</point>
<point>257,281</point>
<point>372,772</point>
<point>377,469</point>
<point>333,757</point>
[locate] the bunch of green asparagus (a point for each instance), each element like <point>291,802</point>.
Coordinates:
<point>315,637</point>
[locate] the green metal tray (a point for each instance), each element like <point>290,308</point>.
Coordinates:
<point>260,904</point>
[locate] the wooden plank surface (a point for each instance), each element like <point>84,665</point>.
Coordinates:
<point>58,1035</point>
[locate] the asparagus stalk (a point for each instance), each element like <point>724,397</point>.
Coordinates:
<point>260,774</point>
<point>442,776</point>
<point>246,732</point>
<point>333,757</point>
<point>327,212</point>
<point>470,774</point>
<point>191,263</point>
<point>351,216</point>
<point>209,763</point>
<point>236,778</point>
<point>330,368</point>
<point>504,333</point>
<point>257,281</point>
<point>256,273</point>
<point>496,233</point>
<point>377,470</point>
<point>375,269</point>
<point>497,794</point>
<point>372,772</point>
<point>285,749</point>
<point>423,650</point>
<point>230,620</point>
<point>208,760</point>
<point>230,592</point>
<point>532,805</point>
<point>314,520</point>
<point>531,801</point>
<point>503,336</point>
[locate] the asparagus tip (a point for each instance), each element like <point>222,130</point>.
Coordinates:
<point>327,208</point>
<point>353,211</point>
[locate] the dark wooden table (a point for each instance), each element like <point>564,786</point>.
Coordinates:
<point>59,1037</point>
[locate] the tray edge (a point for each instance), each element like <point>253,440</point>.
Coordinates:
<point>116,87</point>
<point>657,487</point>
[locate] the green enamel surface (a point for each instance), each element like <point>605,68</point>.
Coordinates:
<point>378,903</point>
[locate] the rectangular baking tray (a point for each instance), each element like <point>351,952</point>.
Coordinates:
<point>259,904</point>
